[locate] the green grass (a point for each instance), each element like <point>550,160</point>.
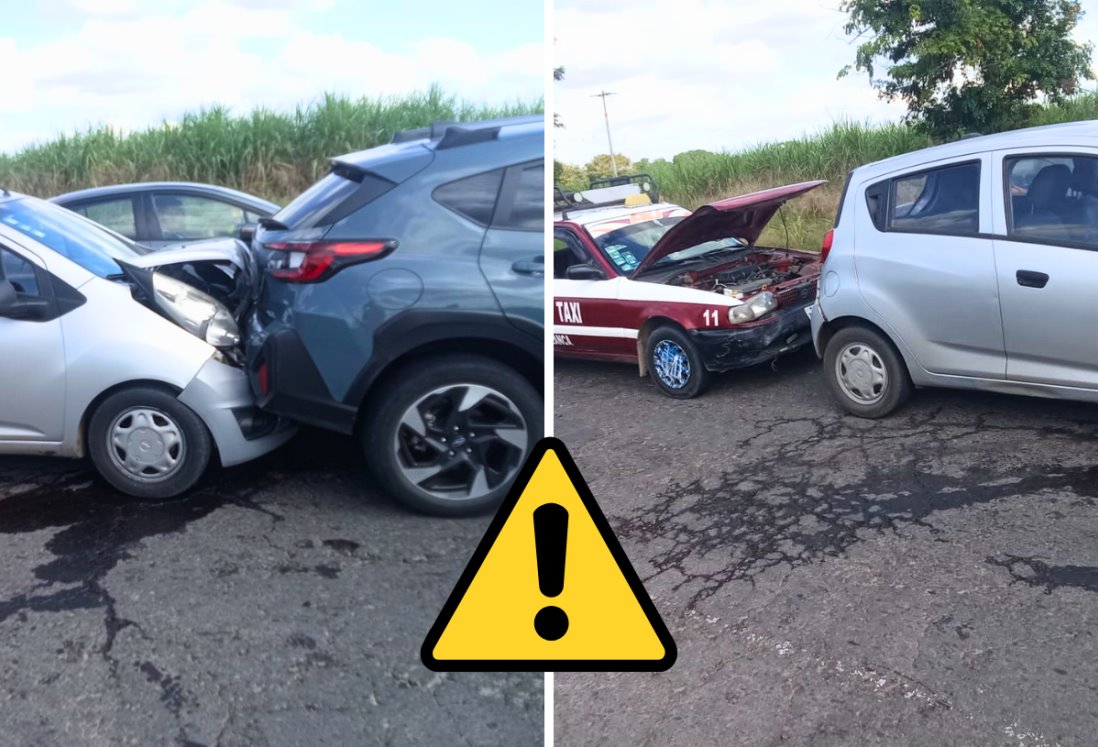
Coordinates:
<point>268,153</point>
<point>696,177</point>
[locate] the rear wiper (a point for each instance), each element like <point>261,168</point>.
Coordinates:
<point>274,225</point>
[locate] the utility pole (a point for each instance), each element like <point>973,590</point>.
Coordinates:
<point>606,114</point>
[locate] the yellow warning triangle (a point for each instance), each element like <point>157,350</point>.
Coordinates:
<point>603,619</point>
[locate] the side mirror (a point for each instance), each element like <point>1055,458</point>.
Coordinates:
<point>9,301</point>
<point>584,272</point>
<point>13,307</point>
<point>247,232</point>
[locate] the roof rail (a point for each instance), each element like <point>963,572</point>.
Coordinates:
<point>458,135</point>
<point>432,131</point>
<point>452,133</point>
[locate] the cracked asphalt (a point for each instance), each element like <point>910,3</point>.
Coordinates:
<point>926,579</point>
<point>283,603</point>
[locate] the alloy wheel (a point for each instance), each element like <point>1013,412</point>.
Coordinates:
<point>461,441</point>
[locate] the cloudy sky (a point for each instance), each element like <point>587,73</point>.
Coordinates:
<point>69,64</point>
<point>712,74</point>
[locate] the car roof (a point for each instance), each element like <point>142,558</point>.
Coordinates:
<point>444,136</point>
<point>212,190</point>
<point>1066,134</point>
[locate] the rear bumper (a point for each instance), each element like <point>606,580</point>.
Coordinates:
<point>786,330</point>
<point>220,395</point>
<point>293,387</point>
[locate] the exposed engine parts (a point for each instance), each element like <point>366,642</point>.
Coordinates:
<point>749,275</point>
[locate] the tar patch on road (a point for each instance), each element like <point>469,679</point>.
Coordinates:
<point>100,528</point>
<point>773,514</point>
<point>1034,571</point>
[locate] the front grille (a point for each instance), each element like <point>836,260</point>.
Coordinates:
<point>797,294</point>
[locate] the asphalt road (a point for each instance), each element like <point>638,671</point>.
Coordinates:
<point>927,579</point>
<point>283,603</point>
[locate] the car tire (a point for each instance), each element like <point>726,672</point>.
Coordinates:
<point>148,444</point>
<point>422,441</point>
<point>675,364</point>
<point>865,372</point>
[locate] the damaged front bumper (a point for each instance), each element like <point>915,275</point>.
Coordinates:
<point>221,396</point>
<point>782,331</point>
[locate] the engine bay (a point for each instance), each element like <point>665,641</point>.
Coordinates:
<point>748,275</point>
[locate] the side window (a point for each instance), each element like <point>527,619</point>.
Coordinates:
<point>188,217</point>
<point>567,251</point>
<point>876,200</point>
<point>1053,198</point>
<point>19,272</point>
<point>117,215</point>
<point>524,209</point>
<point>944,200</point>
<point>474,196</point>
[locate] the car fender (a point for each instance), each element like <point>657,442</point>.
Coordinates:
<point>113,340</point>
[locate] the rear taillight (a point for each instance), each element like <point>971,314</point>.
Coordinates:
<point>826,248</point>
<point>313,261</point>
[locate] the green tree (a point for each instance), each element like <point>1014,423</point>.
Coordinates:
<point>600,165</point>
<point>568,177</point>
<point>558,75</point>
<point>969,65</point>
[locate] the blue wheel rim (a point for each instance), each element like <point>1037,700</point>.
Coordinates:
<point>671,363</point>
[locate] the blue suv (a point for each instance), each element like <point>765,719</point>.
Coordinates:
<point>400,299</point>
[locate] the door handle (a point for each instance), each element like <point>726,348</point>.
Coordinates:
<point>1031,279</point>
<point>529,267</point>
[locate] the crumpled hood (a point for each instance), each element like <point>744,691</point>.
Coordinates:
<point>213,250</point>
<point>742,217</point>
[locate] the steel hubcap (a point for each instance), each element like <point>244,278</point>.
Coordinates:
<point>671,363</point>
<point>861,373</point>
<point>146,444</point>
<point>461,442</point>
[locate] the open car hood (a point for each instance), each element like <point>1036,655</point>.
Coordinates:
<point>742,217</point>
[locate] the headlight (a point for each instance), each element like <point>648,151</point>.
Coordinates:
<point>758,305</point>
<point>200,314</point>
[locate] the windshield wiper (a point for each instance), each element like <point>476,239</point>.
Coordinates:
<point>274,225</point>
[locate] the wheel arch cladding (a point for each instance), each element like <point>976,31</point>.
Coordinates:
<point>512,356</point>
<point>649,326</point>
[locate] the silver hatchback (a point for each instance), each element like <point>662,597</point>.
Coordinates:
<point>966,265</point>
<point>129,357</point>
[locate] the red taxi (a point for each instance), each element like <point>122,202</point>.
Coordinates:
<point>681,294</point>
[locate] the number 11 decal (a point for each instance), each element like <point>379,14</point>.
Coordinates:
<point>711,318</point>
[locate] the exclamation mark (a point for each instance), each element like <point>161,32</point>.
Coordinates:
<point>551,544</point>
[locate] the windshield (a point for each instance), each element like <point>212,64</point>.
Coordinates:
<point>87,244</point>
<point>627,247</point>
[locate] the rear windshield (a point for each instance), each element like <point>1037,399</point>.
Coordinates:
<point>340,193</point>
<point>87,244</point>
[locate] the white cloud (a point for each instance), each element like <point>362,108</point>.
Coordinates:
<point>134,70</point>
<point>708,74</point>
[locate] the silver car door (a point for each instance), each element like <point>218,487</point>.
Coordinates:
<point>926,265</point>
<point>1046,254</point>
<point>32,366</point>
